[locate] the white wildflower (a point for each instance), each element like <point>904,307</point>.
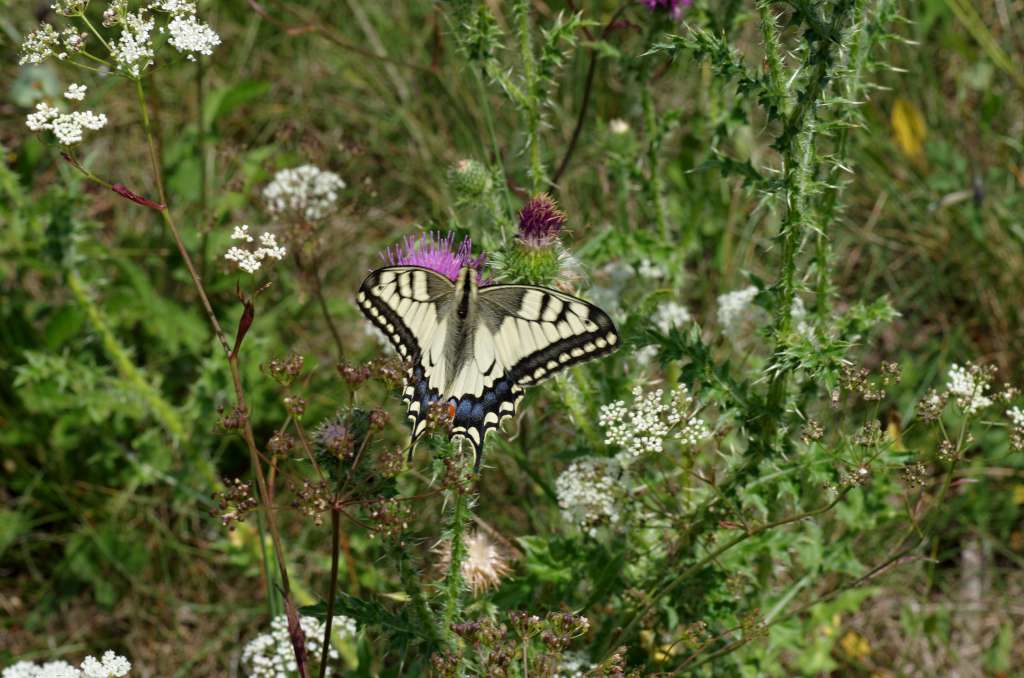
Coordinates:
<point>174,7</point>
<point>671,314</point>
<point>67,127</point>
<point>307,191</point>
<point>241,233</point>
<point>75,92</point>
<point>39,45</point>
<point>270,655</point>
<point>618,126</point>
<point>650,270</point>
<point>270,248</point>
<point>112,665</point>
<point>590,491</point>
<point>69,7</point>
<point>73,42</point>
<point>645,355</point>
<point>43,118</point>
<point>133,50</point>
<point>651,422</point>
<point>1016,416</point>
<point>191,36</point>
<point>737,313</point>
<point>250,261</point>
<point>115,10</point>
<point>968,385</point>
<point>574,665</point>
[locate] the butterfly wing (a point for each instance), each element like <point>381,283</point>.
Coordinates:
<point>523,335</point>
<point>409,304</point>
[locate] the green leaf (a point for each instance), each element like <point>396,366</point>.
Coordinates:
<point>13,524</point>
<point>225,100</point>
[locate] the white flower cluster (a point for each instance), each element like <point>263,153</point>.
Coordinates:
<point>75,92</point>
<point>618,126</point>
<point>648,269</point>
<point>191,36</point>
<point>110,665</point>
<point>69,7</point>
<point>650,422</point>
<point>306,190</point>
<point>38,45</point>
<point>671,314</point>
<point>737,312</point>
<point>270,655</point>
<point>175,7</point>
<point>666,316</point>
<point>133,50</point>
<point>968,385</point>
<point>250,261</point>
<point>67,127</point>
<point>574,665</point>
<point>589,493</point>
<point>1016,416</point>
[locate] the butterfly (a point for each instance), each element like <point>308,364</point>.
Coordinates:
<point>477,348</point>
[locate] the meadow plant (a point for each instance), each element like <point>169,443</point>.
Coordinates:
<point>692,505</point>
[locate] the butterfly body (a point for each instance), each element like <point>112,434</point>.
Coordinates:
<point>476,348</point>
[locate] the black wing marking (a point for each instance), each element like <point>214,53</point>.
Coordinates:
<point>524,335</point>
<point>409,304</point>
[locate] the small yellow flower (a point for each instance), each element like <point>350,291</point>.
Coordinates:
<point>855,645</point>
<point>1018,494</point>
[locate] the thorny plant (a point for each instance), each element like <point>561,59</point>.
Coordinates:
<point>760,424</point>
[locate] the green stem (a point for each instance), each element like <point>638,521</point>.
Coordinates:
<point>154,156</point>
<point>499,164</point>
<point>538,176</point>
<point>332,590</point>
<point>420,607</point>
<point>453,583</point>
<point>95,32</point>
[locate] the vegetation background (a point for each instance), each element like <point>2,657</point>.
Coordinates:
<point>113,392</point>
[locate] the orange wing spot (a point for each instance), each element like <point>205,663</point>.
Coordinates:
<point>451,410</point>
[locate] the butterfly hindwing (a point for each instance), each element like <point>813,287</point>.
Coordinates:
<point>524,334</point>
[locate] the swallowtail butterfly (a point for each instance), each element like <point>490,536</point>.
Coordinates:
<point>477,348</point>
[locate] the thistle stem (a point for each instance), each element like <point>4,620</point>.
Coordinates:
<point>332,590</point>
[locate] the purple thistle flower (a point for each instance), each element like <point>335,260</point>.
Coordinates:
<point>540,221</point>
<point>674,7</point>
<point>437,252</point>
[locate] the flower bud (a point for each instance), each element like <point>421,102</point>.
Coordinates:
<point>469,179</point>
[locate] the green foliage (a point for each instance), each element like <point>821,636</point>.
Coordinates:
<point>805,511</point>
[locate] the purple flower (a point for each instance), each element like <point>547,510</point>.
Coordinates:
<point>540,221</point>
<point>438,253</point>
<point>674,7</point>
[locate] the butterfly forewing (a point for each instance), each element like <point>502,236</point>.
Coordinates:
<point>539,331</point>
<point>410,305</point>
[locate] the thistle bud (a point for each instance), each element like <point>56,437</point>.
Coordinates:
<point>469,179</point>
